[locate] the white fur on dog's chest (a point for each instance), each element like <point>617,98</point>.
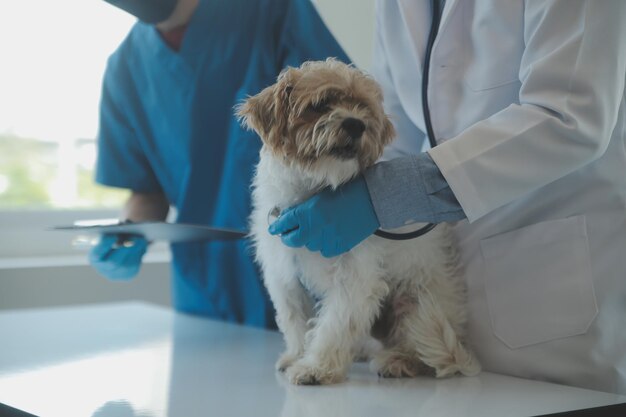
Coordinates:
<point>396,261</point>
<point>277,185</point>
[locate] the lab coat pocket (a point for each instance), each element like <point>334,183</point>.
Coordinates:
<point>538,282</point>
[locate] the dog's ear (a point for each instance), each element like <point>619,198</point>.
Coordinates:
<point>267,113</point>
<point>388,132</point>
<point>255,112</point>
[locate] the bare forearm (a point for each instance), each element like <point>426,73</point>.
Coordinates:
<point>146,207</point>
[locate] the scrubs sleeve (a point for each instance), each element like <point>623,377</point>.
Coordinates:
<point>121,161</point>
<point>409,138</point>
<point>572,84</point>
<point>305,37</point>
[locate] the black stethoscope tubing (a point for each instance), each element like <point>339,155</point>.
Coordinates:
<point>434,29</point>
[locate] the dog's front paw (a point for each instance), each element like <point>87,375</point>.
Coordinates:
<point>397,365</point>
<point>302,373</point>
<point>286,360</point>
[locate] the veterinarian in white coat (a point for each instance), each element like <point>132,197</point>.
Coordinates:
<point>528,109</point>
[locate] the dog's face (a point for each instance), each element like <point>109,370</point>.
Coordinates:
<point>322,117</point>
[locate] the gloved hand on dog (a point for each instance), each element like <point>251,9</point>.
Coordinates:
<point>331,222</point>
<point>118,259</point>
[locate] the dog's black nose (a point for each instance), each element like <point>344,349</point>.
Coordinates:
<point>354,127</point>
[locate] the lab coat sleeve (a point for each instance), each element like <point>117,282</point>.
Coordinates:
<point>572,81</point>
<point>305,37</point>
<point>121,161</point>
<point>407,133</point>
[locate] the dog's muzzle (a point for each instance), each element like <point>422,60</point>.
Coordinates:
<point>354,129</point>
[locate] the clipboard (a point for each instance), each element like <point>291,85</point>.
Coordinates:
<point>154,231</point>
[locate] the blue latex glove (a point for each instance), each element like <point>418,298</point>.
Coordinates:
<point>115,261</point>
<point>331,222</point>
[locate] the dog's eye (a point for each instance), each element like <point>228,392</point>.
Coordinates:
<point>320,107</point>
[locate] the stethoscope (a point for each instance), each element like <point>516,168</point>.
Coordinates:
<point>434,29</point>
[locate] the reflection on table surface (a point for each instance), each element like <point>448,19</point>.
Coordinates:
<point>139,360</point>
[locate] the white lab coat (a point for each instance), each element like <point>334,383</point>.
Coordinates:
<point>528,106</point>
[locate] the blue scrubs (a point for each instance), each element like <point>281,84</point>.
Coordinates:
<point>167,125</point>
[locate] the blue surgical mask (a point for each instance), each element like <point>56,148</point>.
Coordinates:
<point>148,11</point>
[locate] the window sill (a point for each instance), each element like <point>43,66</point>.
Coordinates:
<point>70,260</point>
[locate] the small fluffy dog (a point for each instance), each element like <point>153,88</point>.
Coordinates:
<point>321,125</point>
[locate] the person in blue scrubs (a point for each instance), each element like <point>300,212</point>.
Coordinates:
<point>168,133</point>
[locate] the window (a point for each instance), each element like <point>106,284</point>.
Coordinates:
<point>52,59</point>
<point>53,56</point>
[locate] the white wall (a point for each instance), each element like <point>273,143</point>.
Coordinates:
<point>79,284</point>
<point>54,274</point>
<point>41,268</point>
<point>352,23</point>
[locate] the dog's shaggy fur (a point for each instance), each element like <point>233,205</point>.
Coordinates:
<point>321,125</point>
